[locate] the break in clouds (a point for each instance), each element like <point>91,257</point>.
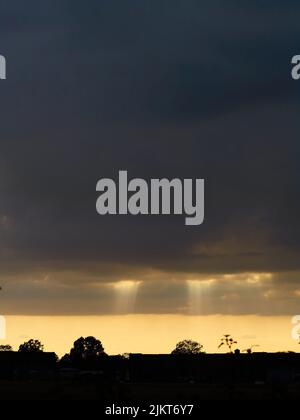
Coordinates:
<point>163,93</point>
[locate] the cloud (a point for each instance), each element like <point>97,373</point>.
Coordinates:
<point>79,293</point>
<point>187,91</point>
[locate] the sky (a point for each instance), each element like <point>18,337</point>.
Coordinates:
<point>199,89</point>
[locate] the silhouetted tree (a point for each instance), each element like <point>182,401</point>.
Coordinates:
<point>31,346</point>
<point>6,347</point>
<point>188,347</point>
<point>228,341</point>
<point>65,360</point>
<point>249,350</point>
<point>88,348</point>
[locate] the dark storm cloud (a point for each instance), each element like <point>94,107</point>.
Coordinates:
<point>181,89</point>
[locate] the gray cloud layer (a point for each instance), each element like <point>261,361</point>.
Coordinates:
<point>188,90</point>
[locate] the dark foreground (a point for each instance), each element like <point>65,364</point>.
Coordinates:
<point>143,393</point>
<point>146,379</point>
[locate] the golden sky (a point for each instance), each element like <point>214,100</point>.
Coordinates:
<point>152,333</point>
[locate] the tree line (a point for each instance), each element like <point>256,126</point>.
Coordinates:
<point>90,348</point>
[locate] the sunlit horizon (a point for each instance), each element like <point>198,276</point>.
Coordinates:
<point>121,334</point>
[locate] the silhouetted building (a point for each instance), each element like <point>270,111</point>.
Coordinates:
<point>214,368</point>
